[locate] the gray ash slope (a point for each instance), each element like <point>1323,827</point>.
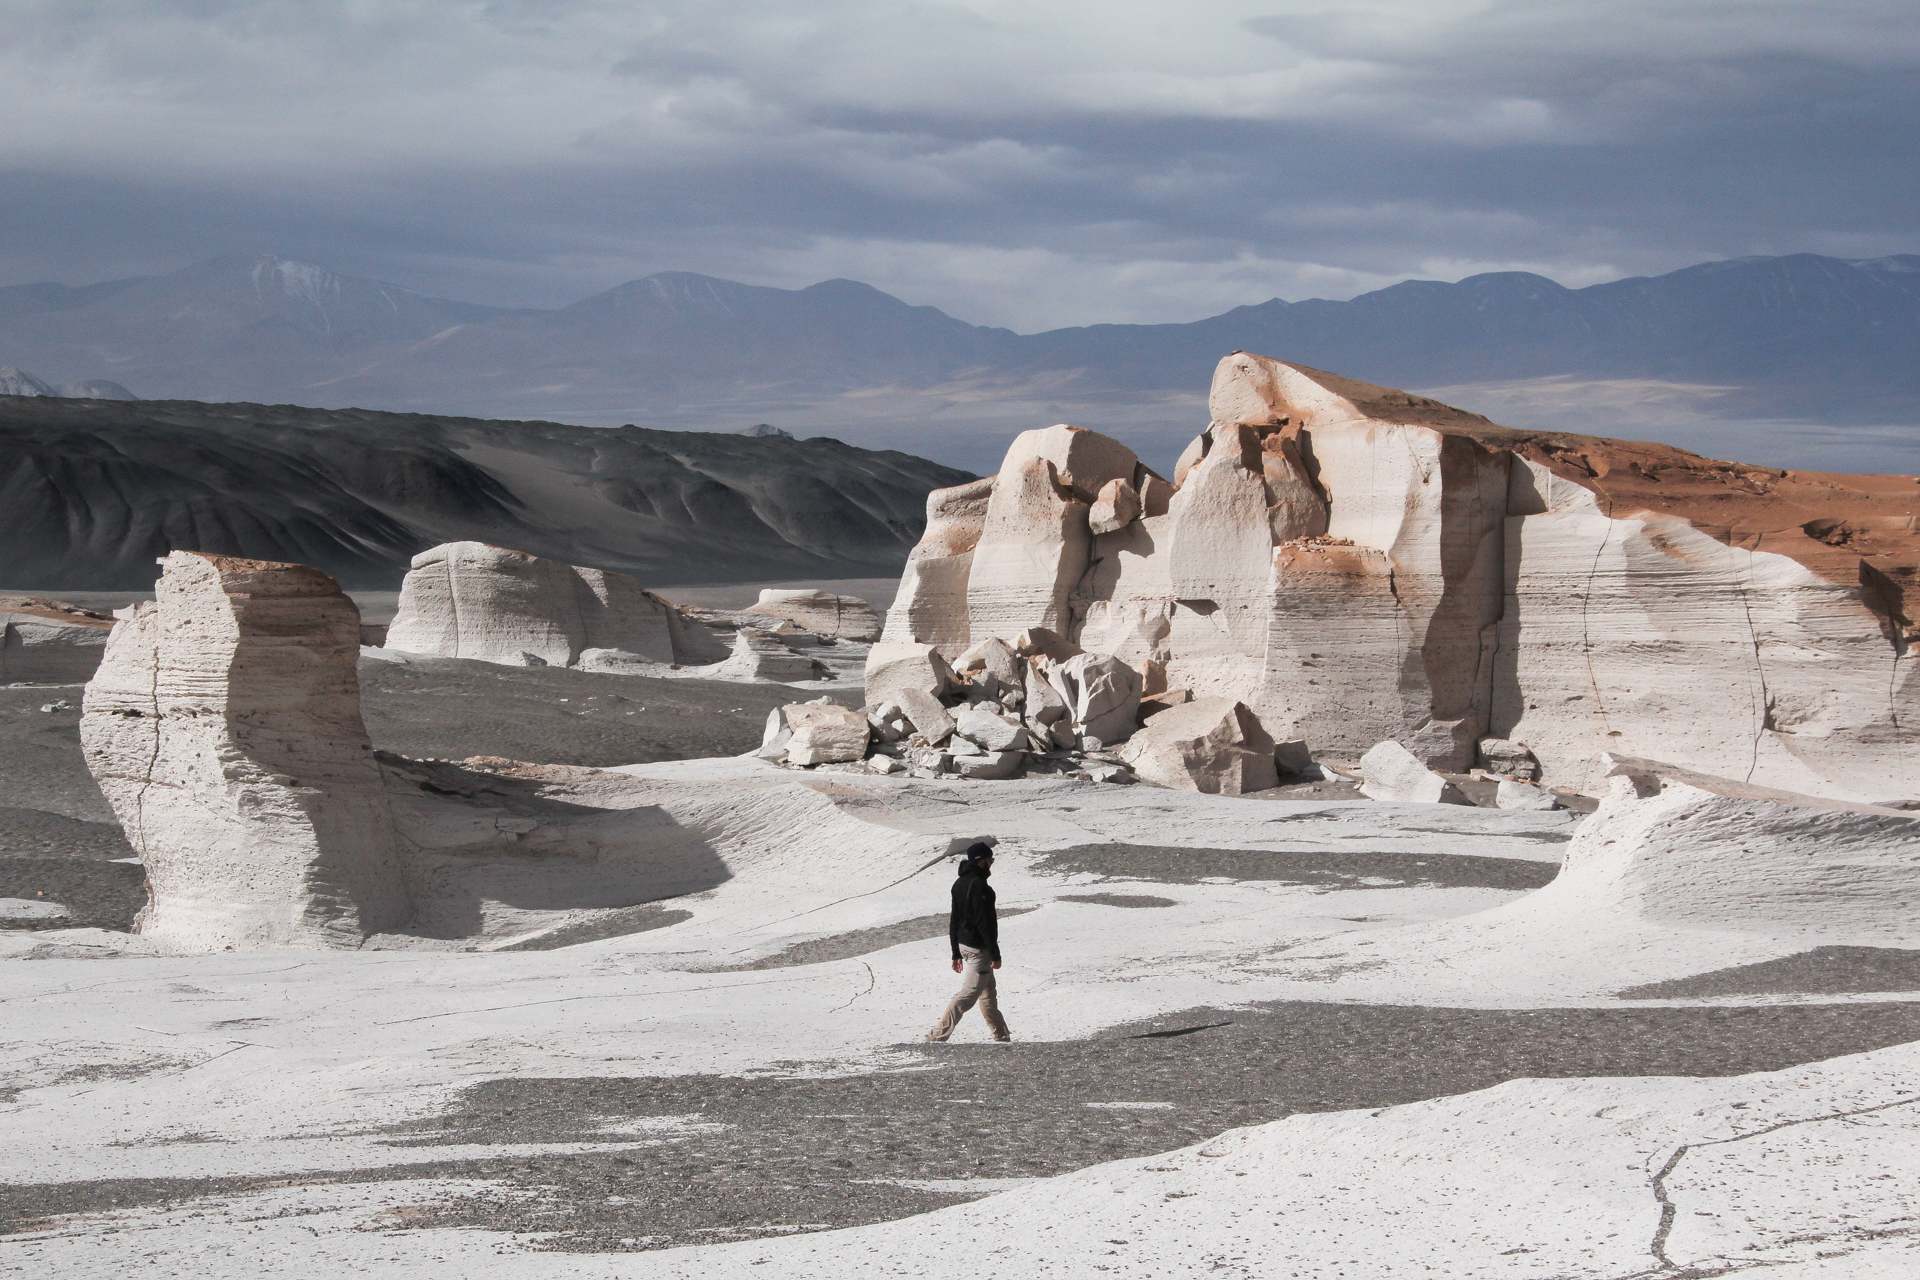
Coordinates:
<point>92,491</point>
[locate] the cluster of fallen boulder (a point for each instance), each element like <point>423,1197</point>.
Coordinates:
<point>1342,565</point>
<point>1034,704</point>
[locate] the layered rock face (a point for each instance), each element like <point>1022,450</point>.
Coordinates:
<point>471,600</point>
<point>1358,565</point>
<point>223,726</point>
<point>48,641</point>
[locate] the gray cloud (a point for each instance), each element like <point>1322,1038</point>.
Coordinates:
<point>1023,164</point>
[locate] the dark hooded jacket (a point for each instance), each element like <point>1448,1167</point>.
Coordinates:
<point>973,922</point>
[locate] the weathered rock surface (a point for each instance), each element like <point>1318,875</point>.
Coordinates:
<point>1358,565</point>
<point>1391,772</point>
<point>49,641</point>
<point>1034,539</point>
<point>931,606</point>
<point>1211,745</point>
<point>223,726</point>
<point>822,612</point>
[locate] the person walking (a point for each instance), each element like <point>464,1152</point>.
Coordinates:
<point>973,930</point>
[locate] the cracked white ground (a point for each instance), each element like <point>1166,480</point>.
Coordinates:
<point>285,1065</point>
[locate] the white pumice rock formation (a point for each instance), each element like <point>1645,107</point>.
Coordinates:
<point>223,726</point>
<point>759,655</point>
<point>1391,772</point>
<point>49,641</point>
<point>471,600</point>
<point>822,612</point>
<point>989,731</point>
<point>1685,850</point>
<point>1211,745</point>
<point>1357,565</point>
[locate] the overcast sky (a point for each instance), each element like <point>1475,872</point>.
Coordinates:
<point>1022,163</point>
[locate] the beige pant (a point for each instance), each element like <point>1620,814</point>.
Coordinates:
<point>976,983</point>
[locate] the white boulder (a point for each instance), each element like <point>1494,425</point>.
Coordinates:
<point>988,731</point>
<point>1117,506</point>
<point>1101,694</point>
<point>1211,745</point>
<point>992,656</point>
<point>224,728</point>
<point>989,765</point>
<point>759,655</point>
<point>1391,772</point>
<point>810,733</point>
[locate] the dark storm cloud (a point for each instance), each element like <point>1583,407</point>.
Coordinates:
<point>1014,163</point>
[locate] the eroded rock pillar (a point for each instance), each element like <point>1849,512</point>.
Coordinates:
<point>224,728</point>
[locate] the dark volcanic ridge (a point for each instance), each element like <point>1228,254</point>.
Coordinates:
<point>92,491</point>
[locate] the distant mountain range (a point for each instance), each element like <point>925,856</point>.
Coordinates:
<point>18,382</point>
<point>1797,337</point>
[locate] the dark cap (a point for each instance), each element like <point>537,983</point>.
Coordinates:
<point>978,850</point>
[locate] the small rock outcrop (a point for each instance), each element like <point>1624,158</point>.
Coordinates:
<point>759,655</point>
<point>49,641</point>
<point>822,612</point>
<point>1212,745</point>
<point>1693,851</point>
<point>1391,772</point>
<point>810,733</point>
<point>223,726</point>
<point>471,600</point>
